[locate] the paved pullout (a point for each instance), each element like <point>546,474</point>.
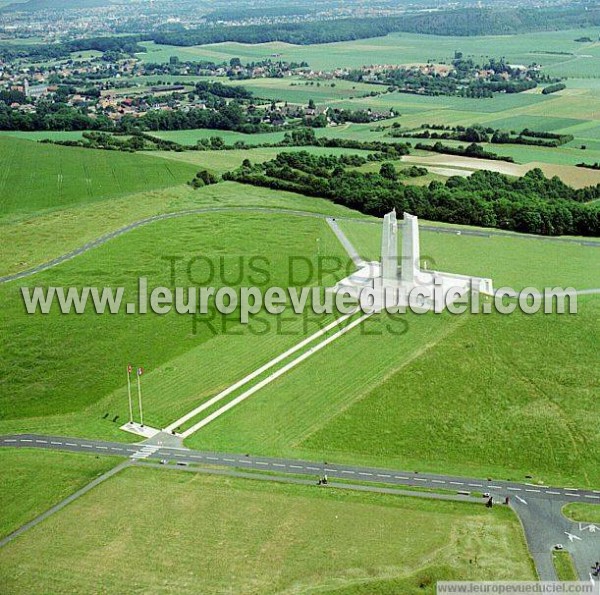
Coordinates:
<point>539,507</point>
<point>288,212</point>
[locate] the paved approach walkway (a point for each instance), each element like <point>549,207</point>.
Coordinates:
<point>240,383</point>
<point>248,393</point>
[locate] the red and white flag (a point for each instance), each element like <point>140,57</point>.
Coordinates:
<point>140,371</point>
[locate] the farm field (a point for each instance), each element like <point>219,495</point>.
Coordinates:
<point>35,480</point>
<point>221,161</point>
<point>344,539</point>
<point>64,176</point>
<point>407,48</point>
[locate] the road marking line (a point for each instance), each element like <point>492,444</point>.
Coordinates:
<point>400,477</point>
<point>530,490</point>
<point>514,489</point>
<point>261,463</point>
<point>475,485</point>
<point>212,458</point>
<point>26,440</point>
<point>383,475</point>
<point>296,467</point>
<point>588,496</point>
<point>9,440</point>
<point>521,500</point>
<point>573,495</point>
<point>71,444</point>
<point>345,471</point>
<point>419,479</point>
<point>102,447</point>
<point>230,460</point>
<point>495,487</point>
<point>437,481</point>
<point>278,465</point>
<point>363,473</point>
<point>553,493</point>
<point>115,448</point>
<point>570,489</point>
<point>43,441</point>
<point>86,445</point>
<point>313,468</point>
<point>456,483</point>
<point>244,461</point>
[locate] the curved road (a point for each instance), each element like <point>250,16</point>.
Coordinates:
<point>131,226</point>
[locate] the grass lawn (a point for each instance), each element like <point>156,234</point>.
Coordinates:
<point>35,480</point>
<point>28,239</point>
<point>169,532</point>
<point>564,566</point>
<point>585,513</point>
<point>38,176</point>
<point>453,395</point>
<point>59,364</point>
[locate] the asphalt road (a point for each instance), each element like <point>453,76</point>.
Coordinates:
<point>539,507</point>
<point>152,450</point>
<point>131,226</point>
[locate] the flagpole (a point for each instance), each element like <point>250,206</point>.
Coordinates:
<point>140,399</point>
<point>129,394</point>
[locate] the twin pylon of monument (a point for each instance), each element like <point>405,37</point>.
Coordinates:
<point>411,253</point>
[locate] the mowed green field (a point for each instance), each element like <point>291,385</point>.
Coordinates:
<point>68,370</point>
<point>486,395</point>
<point>35,480</point>
<point>36,176</point>
<point>34,239</point>
<point>185,533</point>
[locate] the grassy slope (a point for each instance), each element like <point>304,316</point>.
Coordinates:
<point>503,396</point>
<point>34,480</point>
<point>62,364</point>
<point>460,395</point>
<point>256,538</point>
<point>37,176</point>
<point>31,240</point>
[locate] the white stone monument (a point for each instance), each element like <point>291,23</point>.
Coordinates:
<point>385,278</point>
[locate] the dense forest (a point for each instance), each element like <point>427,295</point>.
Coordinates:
<point>460,22</point>
<point>531,204</point>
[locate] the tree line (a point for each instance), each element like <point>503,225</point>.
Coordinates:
<point>530,204</point>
